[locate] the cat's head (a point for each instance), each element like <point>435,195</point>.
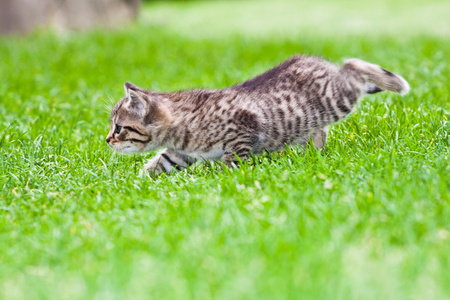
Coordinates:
<point>137,120</point>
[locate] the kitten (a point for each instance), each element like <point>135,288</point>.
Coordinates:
<point>289,104</point>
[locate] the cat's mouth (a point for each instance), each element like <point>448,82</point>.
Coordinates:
<point>119,148</point>
<point>126,149</point>
<point>122,149</point>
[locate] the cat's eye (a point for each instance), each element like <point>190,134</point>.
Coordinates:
<point>118,129</point>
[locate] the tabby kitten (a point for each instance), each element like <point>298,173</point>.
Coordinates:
<point>289,104</point>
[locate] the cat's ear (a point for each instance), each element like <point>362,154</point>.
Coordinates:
<point>146,105</point>
<point>130,86</point>
<point>136,100</point>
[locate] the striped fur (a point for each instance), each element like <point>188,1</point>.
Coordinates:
<point>289,104</point>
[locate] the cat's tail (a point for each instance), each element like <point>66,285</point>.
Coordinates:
<point>375,74</point>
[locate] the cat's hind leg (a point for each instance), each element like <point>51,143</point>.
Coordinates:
<point>319,138</point>
<point>168,161</point>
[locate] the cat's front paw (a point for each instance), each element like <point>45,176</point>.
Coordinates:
<point>154,167</point>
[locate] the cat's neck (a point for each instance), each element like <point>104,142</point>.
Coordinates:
<point>183,107</point>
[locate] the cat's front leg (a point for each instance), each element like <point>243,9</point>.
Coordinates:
<point>168,161</point>
<point>231,159</point>
<point>240,150</point>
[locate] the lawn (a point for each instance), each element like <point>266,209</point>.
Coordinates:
<point>366,218</point>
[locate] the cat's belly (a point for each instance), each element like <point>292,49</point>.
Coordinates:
<point>277,145</point>
<point>212,154</point>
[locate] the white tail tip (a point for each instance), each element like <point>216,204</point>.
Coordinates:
<point>405,86</point>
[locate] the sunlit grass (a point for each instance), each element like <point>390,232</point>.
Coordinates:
<point>365,218</point>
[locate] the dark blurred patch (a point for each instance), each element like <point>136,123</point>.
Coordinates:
<point>22,16</point>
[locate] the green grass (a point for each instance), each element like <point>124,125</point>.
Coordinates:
<point>366,218</point>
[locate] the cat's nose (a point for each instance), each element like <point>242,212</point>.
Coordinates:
<point>108,138</point>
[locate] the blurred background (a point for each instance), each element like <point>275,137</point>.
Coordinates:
<point>211,18</point>
<point>22,16</point>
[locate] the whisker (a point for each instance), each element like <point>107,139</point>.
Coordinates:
<point>108,103</point>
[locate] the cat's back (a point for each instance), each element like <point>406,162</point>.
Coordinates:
<point>290,74</point>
